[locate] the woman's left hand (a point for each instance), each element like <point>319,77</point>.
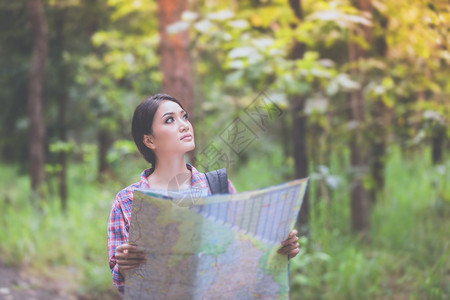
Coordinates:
<point>290,245</point>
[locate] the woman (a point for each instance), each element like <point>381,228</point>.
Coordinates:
<point>163,134</point>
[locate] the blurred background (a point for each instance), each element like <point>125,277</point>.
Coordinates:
<point>352,94</point>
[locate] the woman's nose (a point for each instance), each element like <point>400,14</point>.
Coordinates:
<point>183,125</point>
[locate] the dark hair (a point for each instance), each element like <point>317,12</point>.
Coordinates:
<point>142,123</point>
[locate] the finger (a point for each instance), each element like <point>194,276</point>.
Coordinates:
<point>135,254</point>
<point>125,259</point>
<point>286,249</point>
<point>131,255</point>
<point>291,247</point>
<point>127,253</point>
<point>124,247</point>
<point>130,261</point>
<point>292,235</point>
<point>128,267</point>
<point>124,262</point>
<point>135,250</point>
<point>293,232</point>
<point>294,253</point>
<point>292,240</point>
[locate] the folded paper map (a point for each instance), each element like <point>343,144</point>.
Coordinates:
<point>213,247</point>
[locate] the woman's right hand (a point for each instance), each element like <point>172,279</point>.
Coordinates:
<point>129,257</point>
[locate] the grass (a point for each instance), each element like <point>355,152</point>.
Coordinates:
<point>407,257</point>
<point>60,247</point>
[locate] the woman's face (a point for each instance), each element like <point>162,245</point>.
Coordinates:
<point>172,131</point>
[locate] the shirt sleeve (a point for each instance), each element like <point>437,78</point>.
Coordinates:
<point>231,188</point>
<point>117,235</point>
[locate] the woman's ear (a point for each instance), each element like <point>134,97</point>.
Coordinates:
<point>148,141</point>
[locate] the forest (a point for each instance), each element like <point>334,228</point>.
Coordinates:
<point>354,94</point>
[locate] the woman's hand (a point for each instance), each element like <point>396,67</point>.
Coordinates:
<point>129,257</point>
<point>290,245</point>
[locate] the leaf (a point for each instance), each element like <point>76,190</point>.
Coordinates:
<point>311,55</point>
<point>203,26</point>
<point>189,16</point>
<point>279,98</point>
<point>324,170</point>
<point>327,63</point>
<point>379,90</point>
<point>241,52</point>
<point>239,24</point>
<point>177,27</point>
<point>352,125</point>
<point>333,181</point>
<point>255,58</point>
<point>346,82</point>
<point>339,18</point>
<point>325,15</point>
<point>332,88</point>
<point>388,101</point>
<point>432,115</point>
<point>262,43</point>
<point>100,38</point>
<point>300,87</point>
<point>236,64</point>
<point>388,83</point>
<point>320,73</point>
<point>234,77</point>
<point>301,279</point>
<point>221,15</point>
<point>322,256</point>
<point>316,105</point>
<point>256,20</point>
<point>61,146</point>
<point>358,20</point>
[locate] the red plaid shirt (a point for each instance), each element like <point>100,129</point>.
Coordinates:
<point>119,218</point>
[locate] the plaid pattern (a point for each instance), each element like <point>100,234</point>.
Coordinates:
<point>119,219</point>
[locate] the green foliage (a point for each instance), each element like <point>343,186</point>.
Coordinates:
<point>252,176</point>
<point>406,258</point>
<point>103,59</point>
<point>408,252</point>
<point>71,245</point>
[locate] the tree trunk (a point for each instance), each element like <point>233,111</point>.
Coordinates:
<point>299,124</point>
<point>104,143</point>
<point>176,62</point>
<point>36,77</point>
<point>286,138</point>
<point>439,130</point>
<point>377,165</point>
<point>438,142</point>
<point>60,16</point>
<point>359,155</point>
<point>382,119</point>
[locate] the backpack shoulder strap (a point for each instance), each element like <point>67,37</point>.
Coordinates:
<point>218,181</point>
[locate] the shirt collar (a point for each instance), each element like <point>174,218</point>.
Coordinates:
<point>197,179</point>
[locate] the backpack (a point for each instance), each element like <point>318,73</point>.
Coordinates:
<point>218,181</point>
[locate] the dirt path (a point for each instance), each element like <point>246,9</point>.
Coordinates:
<point>17,284</point>
<point>14,285</point>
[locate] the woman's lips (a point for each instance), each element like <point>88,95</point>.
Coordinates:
<point>186,137</point>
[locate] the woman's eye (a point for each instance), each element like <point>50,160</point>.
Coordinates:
<point>169,120</point>
<point>186,116</point>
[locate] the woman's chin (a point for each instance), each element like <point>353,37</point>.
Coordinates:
<point>190,147</point>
